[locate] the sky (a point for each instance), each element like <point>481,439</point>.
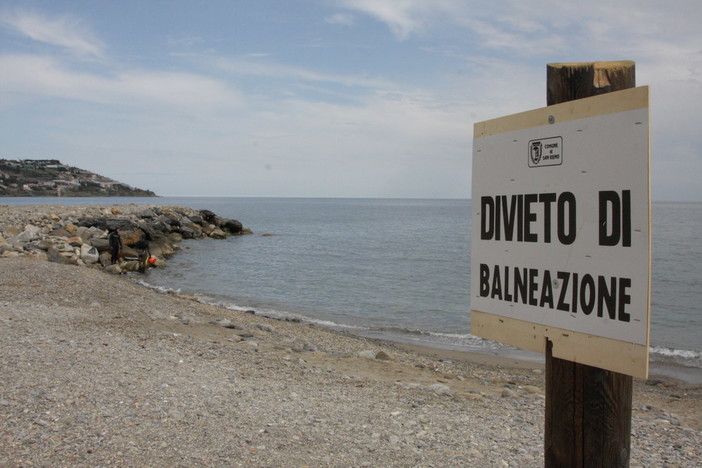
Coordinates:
<point>323,98</point>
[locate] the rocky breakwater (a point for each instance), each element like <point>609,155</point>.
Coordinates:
<point>79,235</point>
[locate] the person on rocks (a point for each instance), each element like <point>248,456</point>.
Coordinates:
<point>143,251</point>
<point>115,245</point>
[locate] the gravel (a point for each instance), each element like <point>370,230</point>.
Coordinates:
<point>98,370</point>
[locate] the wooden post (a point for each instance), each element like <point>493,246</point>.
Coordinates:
<point>588,410</point>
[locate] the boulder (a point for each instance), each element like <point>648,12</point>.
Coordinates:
<point>383,356</point>
<point>103,223</point>
<point>218,234</point>
<point>63,247</point>
<point>80,237</point>
<point>129,252</point>
<point>11,231</point>
<point>66,258</point>
<point>84,233</point>
<point>44,244</point>
<point>74,241</point>
<point>29,234</point>
<point>232,226</point>
<point>60,232</point>
<point>147,213</point>
<point>175,237</point>
<point>89,254</point>
<point>114,269</point>
<point>188,232</point>
<point>161,226</point>
<point>171,221</point>
<point>161,250</point>
<point>131,265</point>
<point>130,237</point>
<point>208,217</point>
<point>105,259</point>
<point>197,219</point>
<point>367,354</point>
<point>101,244</point>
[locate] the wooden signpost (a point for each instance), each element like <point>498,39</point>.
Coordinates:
<point>560,256</point>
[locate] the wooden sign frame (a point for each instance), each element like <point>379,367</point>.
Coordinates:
<point>604,348</point>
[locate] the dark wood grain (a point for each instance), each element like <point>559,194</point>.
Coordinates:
<point>588,410</point>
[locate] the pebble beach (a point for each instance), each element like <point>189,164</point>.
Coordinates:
<point>98,370</point>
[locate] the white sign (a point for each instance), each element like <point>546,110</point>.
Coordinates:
<point>561,217</point>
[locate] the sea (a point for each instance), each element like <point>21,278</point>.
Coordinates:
<point>399,270</point>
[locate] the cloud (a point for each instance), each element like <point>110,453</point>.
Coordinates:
<point>403,17</point>
<point>45,76</point>
<point>254,125</point>
<point>65,31</point>
<point>344,19</point>
<point>271,69</point>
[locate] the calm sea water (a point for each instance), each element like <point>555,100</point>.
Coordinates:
<point>400,270</point>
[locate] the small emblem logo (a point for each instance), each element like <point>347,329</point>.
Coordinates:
<point>536,148</point>
<point>546,152</point>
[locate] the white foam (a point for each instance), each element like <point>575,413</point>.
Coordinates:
<point>677,353</point>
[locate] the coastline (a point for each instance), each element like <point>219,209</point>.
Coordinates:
<point>15,218</point>
<point>101,370</point>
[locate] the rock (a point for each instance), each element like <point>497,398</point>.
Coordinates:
<point>309,347</point>
<point>60,232</point>
<point>232,226</point>
<point>101,244</point>
<point>188,232</point>
<point>11,231</point>
<point>65,234</point>
<point>507,393</point>
<point>367,354</point>
<point>218,234</point>
<point>383,356</point>
<point>75,241</point>
<point>175,237</point>
<point>89,254</point>
<point>29,234</point>
<point>440,389</point>
<point>147,213</point>
<point>131,265</point>
<point>44,244</point>
<point>265,327</point>
<point>56,256</point>
<point>207,216</point>
<point>197,219</point>
<point>105,259</point>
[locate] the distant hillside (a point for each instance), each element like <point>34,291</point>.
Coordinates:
<point>51,178</point>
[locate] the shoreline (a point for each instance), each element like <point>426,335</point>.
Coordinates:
<point>44,215</point>
<point>101,370</point>
<point>667,370</point>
